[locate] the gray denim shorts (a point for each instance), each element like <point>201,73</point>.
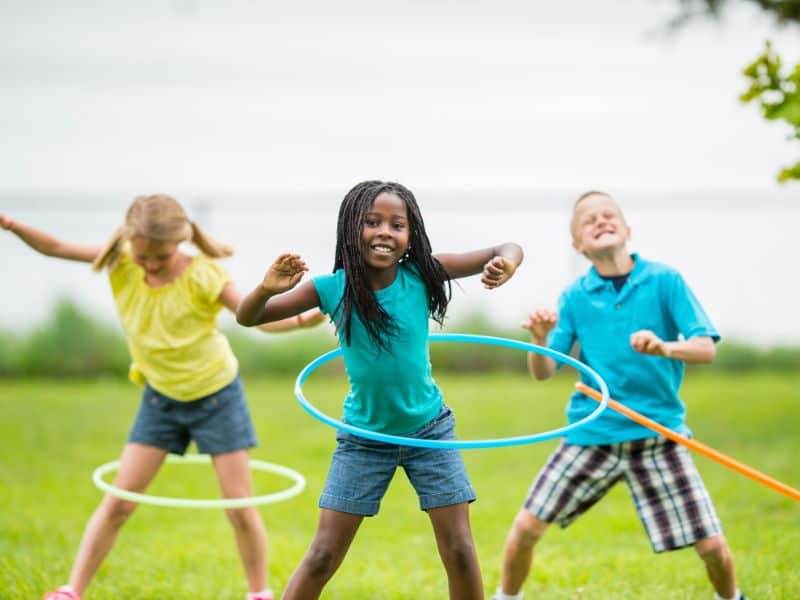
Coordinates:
<point>218,423</point>
<point>361,470</point>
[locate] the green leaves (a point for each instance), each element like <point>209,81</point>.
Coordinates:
<point>778,95</point>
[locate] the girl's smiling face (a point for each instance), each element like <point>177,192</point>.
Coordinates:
<point>386,233</point>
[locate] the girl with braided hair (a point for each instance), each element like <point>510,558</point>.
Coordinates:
<point>385,285</point>
<point>168,303</point>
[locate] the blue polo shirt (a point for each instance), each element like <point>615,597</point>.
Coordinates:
<point>602,319</point>
<point>389,392</point>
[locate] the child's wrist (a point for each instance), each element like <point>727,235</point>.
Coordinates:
<point>265,292</point>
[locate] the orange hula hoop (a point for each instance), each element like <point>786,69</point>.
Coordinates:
<point>699,447</point>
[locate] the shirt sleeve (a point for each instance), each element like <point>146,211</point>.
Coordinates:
<point>329,292</point>
<point>121,271</point>
<point>562,337</point>
<point>687,312</point>
<point>208,280</point>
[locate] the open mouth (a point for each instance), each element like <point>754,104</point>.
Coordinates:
<point>382,249</point>
<point>605,232</point>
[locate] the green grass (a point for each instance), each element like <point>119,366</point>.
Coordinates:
<point>53,434</point>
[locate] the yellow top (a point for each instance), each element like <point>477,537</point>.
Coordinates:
<point>172,331</point>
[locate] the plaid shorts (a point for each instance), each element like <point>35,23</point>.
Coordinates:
<point>671,500</point>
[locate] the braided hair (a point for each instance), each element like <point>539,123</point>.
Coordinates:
<point>357,295</point>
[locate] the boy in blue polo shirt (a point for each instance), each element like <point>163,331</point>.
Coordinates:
<point>637,323</point>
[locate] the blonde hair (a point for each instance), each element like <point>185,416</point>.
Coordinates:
<point>158,217</point>
<point>583,197</point>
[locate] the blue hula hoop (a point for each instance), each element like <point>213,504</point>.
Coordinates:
<point>458,444</point>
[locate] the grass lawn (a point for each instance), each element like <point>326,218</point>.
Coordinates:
<point>53,434</point>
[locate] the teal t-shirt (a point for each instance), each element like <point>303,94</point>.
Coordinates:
<point>601,319</point>
<point>393,392</point>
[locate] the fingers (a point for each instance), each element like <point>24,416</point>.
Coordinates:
<point>544,317</point>
<point>283,274</point>
<point>540,322</point>
<point>640,340</point>
<point>5,222</point>
<point>288,263</point>
<point>496,272</point>
<point>286,266</point>
<point>647,342</point>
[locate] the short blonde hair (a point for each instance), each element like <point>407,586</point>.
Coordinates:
<point>158,217</point>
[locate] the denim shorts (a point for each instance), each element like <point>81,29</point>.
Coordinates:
<point>219,422</point>
<point>361,470</point>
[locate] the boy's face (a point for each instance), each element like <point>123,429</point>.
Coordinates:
<point>598,226</point>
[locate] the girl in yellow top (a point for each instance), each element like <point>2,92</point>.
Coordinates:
<point>168,303</point>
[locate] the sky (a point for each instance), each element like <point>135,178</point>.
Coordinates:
<point>197,96</point>
<point>495,114</point>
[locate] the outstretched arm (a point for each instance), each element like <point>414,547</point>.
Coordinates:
<point>272,301</point>
<point>696,350</point>
<point>48,245</point>
<point>539,323</point>
<point>496,264</point>
<point>231,297</point>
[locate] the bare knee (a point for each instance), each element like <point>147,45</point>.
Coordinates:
<point>458,552</point>
<point>116,511</point>
<point>321,560</point>
<point>714,550</point>
<point>527,530</point>
<point>324,555</point>
<point>243,519</point>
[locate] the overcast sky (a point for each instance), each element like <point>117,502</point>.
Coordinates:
<point>194,95</point>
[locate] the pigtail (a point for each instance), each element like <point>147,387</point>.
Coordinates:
<point>110,253</point>
<point>206,244</point>
<point>158,217</point>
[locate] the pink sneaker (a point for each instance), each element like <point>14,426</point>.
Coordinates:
<point>63,593</point>
<point>265,595</point>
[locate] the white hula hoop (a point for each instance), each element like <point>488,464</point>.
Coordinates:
<point>256,465</point>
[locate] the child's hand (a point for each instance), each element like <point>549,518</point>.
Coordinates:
<point>496,272</point>
<point>647,342</point>
<point>310,318</point>
<point>284,274</point>
<point>540,322</point>
<point>6,222</point>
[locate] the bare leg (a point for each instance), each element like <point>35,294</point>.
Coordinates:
<point>139,464</point>
<point>335,532</point>
<point>233,472</point>
<point>525,532</point>
<point>457,550</point>
<point>719,564</point>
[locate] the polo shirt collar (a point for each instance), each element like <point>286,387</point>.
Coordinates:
<point>640,272</point>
